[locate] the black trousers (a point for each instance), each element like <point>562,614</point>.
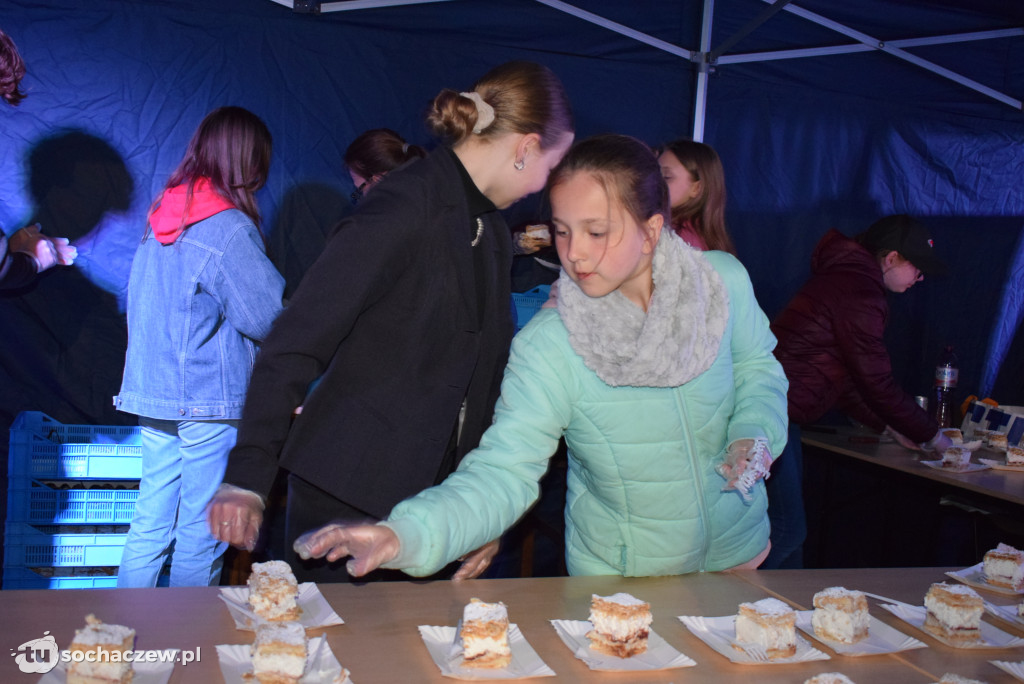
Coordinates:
<point>309,507</point>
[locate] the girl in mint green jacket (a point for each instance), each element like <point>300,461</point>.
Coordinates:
<point>657,367</point>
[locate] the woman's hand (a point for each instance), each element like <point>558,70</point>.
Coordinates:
<point>46,251</point>
<point>235,516</point>
<point>475,562</point>
<point>369,545</point>
<point>902,440</point>
<point>746,462</point>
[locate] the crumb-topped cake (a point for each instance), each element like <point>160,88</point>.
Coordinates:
<point>1004,567</point>
<point>950,678</point>
<point>955,435</point>
<point>997,440</point>
<point>621,624</point>
<point>954,612</point>
<point>829,678</point>
<point>956,457</point>
<point>1015,456</point>
<point>841,615</point>
<point>101,639</point>
<point>485,635</point>
<point>273,591</point>
<point>279,652</point>
<point>769,623</point>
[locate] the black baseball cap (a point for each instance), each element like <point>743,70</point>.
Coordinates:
<point>905,235</point>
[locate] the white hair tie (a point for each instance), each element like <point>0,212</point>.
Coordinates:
<point>405,148</point>
<point>484,112</point>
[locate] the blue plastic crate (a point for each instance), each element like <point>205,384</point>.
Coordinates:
<point>26,578</point>
<point>528,303</point>
<point>34,503</point>
<point>27,547</point>
<point>41,449</point>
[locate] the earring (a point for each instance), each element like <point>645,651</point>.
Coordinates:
<point>520,164</point>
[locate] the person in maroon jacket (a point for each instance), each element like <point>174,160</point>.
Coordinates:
<point>830,343</point>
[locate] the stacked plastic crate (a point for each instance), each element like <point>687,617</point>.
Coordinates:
<point>72,492</point>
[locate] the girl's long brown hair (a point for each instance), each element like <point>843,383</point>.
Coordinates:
<point>231,148</point>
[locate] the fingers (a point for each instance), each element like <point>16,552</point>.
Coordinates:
<point>474,564</point>
<point>369,545</point>
<point>234,522</point>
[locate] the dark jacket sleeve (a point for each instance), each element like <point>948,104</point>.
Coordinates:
<point>875,398</point>
<point>16,269</point>
<point>359,261</point>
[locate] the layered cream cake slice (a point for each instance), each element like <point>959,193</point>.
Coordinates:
<point>840,615</point>
<point>953,612</point>
<point>829,678</point>
<point>1004,567</point>
<point>107,644</point>
<point>955,435</point>
<point>1015,456</point>
<point>997,440</point>
<point>273,591</point>
<point>769,623</point>
<point>485,635</point>
<point>279,653</point>
<point>621,624</point>
<point>956,457</point>
<point>950,678</point>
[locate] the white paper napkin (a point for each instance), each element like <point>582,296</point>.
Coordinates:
<point>975,576</point>
<point>145,672</point>
<point>720,634</point>
<point>1012,669</point>
<point>314,609</point>
<point>1008,613</point>
<point>991,636</point>
<point>658,656</point>
<point>881,638</point>
<point>446,651</point>
<point>321,665</point>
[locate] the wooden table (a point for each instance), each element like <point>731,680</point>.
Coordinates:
<point>999,484</point>
<point>379,642</point>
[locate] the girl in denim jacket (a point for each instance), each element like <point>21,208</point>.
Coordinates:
<point>201,296</point>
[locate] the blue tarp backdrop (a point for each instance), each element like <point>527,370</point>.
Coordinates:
<point>116,87</point>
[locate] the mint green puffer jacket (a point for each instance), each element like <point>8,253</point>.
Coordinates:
<point>643,495</point>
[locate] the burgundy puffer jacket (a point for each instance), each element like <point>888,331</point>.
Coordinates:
<point>831,345</point>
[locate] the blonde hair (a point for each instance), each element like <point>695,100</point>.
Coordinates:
<point>526,97</point>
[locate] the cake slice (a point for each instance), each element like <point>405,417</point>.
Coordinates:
<point>1015,456</point>
<point>769,623</point>
<point>279,652</point>
<point>953,613</point>
<point>485,635</point>
<point>955,435</point>
<point>956,457</point>
<point>621,624</point>
<point>997,440</point>
<point>1004,567</point>
<point>840,615</point>
<point>273,591</point>
<point>103,641</point>
<point>829,678</point>
<point>949,678</point>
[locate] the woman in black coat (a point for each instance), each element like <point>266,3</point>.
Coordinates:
<point>406,318</point>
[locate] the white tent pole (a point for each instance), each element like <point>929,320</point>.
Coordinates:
<point>701,93</point>
<point>861,47</point>
<point>616,27</point>
<point>906,56</point>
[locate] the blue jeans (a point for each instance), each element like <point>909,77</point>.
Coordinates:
<point>182,465</point>
<point>786,506</point>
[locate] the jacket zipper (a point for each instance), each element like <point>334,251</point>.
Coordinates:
<point>698,480</point>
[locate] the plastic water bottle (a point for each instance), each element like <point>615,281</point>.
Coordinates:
<point>947,372</point>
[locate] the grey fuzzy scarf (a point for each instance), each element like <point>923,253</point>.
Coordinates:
<point>674,342</point>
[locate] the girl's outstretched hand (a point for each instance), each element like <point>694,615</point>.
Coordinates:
<point>369,545</point>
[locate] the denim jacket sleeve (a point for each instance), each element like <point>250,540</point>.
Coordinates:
<point>249,285</point>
